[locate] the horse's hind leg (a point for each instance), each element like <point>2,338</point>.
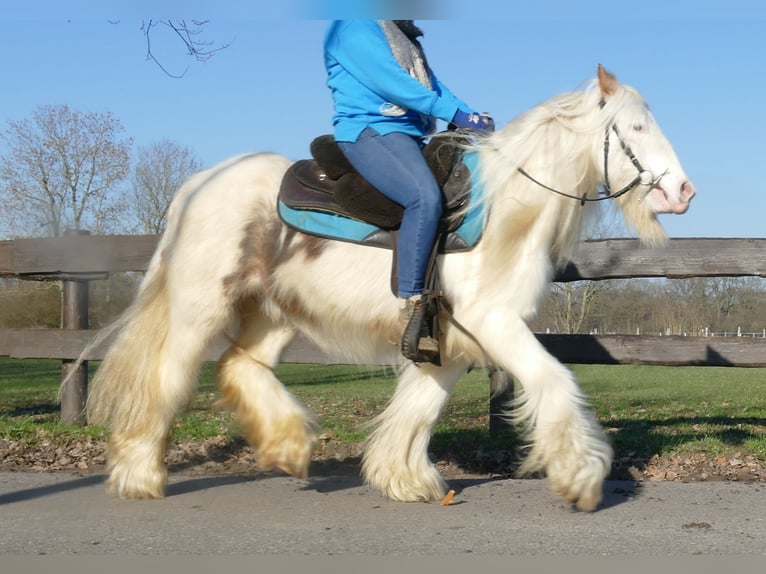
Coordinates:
<point>396,458</point>
<point>281,429</point>
<point>144,413</point>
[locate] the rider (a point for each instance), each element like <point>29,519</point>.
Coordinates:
<point>387,99</point>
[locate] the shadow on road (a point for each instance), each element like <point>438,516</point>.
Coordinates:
<point>615,492</point>
<point>49,489</point>
<point>187,486</point>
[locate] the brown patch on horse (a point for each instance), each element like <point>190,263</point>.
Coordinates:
<point>266,243</point>
<point>259,241</point>
<point>309,245</point>
<point>291,304</point>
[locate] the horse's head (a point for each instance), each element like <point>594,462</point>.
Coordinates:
<point>638,163</point>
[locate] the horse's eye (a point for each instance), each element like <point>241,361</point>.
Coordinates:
<point>639,127</point>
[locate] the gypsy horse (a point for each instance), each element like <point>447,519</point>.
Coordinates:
<point>228,267</point>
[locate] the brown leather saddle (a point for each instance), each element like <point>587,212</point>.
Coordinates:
<point>329,183</point>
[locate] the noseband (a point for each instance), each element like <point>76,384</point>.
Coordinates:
<point>644,177</point>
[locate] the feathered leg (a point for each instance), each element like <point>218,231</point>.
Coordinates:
<point>396,458</point>
<point>282,430</point>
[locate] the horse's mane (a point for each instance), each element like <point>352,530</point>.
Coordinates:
<point>553,141</point>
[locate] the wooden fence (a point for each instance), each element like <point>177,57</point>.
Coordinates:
<point>77,259</point>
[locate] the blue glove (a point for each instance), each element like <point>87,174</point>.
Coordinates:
<point>474,121</point>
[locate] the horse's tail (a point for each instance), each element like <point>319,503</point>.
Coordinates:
<point>122,386</point>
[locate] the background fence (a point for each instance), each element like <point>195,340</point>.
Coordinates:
<point>77,259</point>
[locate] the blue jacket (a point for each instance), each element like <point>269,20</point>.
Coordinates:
<point>365,78</point>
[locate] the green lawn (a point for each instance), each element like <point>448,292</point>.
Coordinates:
<point>680,410</point>
<point>647,411</point>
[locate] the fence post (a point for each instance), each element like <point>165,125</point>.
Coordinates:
<point>74,315</point>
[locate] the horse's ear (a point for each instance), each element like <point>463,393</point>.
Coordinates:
<point>607,82</point>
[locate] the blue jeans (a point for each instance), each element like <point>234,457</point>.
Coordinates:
<point>394,164</point>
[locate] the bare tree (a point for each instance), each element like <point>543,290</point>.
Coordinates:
<point>159,171</point>
<point>189,33</point>
<point>733,298</point>
<point>717,303</point>
<point>573,306</point>
<point>62,171</point>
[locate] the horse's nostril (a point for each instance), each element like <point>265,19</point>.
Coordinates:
<point>687,190</point>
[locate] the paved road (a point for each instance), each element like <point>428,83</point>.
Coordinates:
<point>66,514</point>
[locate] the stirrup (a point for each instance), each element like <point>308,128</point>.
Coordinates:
<point>418,344</point>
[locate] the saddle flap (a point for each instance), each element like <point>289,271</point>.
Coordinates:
<point>307,186</point>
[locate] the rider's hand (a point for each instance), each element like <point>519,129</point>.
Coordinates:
<point>474,121</point>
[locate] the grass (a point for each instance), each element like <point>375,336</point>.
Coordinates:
<point>670,411</point>
<point>646,410</point>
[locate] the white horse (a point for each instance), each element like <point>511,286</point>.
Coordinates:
<point>227,266</point>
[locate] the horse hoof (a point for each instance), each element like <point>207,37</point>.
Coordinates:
<point>290,449</point>
<point>133,490</point>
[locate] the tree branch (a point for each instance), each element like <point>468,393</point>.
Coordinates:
<point>200,50</point>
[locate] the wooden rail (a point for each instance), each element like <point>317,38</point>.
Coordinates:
<point>582,349</point>
<point>82,258</point>
<point>77,256</point>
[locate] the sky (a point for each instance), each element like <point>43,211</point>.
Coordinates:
<point>702,70</point>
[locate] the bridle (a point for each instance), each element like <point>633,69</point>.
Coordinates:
<point>644,177</point>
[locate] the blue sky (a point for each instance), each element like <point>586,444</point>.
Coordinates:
<point>703,73</point>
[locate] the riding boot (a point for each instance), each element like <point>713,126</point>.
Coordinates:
<point>418,344</point>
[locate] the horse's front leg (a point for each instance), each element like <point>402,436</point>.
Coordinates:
<point>565,439</point>
<point>396,457</point>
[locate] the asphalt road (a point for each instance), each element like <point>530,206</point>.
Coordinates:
<point>66,514</point>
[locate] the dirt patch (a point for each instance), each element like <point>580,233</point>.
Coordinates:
<point>223,456</point>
